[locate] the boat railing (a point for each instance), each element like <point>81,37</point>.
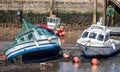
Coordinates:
<point>114,29</point>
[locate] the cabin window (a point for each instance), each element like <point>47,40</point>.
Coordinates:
<point>48,20</point>
<point>58,21</point>
<point>51,20</point>
<point>92,35</point>
<point>21,40</point>
<point>54,20</point>
<point>106,37</point>
<point>100,37</point>
<point>44,32</point>
<point>39,32</point>
<point>30,36</point>
<point>85,35</point>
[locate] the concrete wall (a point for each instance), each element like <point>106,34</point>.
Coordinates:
<point>44,5</point>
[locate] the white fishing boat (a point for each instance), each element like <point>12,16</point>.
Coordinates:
<point>35,41</point>
<point>96,41</point>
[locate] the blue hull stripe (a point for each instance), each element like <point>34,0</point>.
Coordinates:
<point>31,50</point>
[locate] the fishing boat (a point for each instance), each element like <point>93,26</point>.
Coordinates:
<point>53,25</point>
<point>33,41</point>
<point>96,41</point>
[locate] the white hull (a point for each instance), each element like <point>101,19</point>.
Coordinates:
<point>29,47</point>
<point>96,51</point>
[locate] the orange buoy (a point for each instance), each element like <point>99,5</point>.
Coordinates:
<point>3,57</point>
<point>63,33</point>
<point>95,61</point>
<point>60,34</point>
<point>61,29</point>
<point>55,32</point>
<point>76,59</point>
<point>66,55</point>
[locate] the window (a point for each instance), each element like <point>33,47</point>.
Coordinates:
<point>48,20</point>
<point>106,37</point>
<point>100,37</point>
<point>21,40</point>
<point>30,36</point>
<point>51,20</point>
<point>44,32</point>
<point>39,32</point>
<point>92,35</point>
<point>54,20</point>
<point>85,35</point>
<point>58,21</point>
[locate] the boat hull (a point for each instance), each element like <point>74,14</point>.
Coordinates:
<point>40,56</point>
<point>30,47</point>
<point>99,52</point>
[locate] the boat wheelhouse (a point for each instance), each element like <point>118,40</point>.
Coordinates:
<point>53,22</point>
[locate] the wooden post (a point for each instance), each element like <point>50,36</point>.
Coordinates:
<point>104,12</point>
<point>51,7</point>
<point>113,20</point>
<point>95,12</point>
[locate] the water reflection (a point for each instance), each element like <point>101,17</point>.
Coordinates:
<point>65,67</point>
<point>106,65</point>
<point>62,40</point>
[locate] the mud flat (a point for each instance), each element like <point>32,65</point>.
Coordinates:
<point>62,65</point>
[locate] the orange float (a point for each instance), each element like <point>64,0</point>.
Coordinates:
<point>95,61</point>
<point>56,32</point>
<point>61,29</point>
<point>76,59</point>
<point>3,57</point>
<point>63,33</point>
<point>60,34</point>
<point>66,55</point>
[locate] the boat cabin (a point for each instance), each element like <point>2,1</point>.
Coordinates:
<point>96,33</point>
<point>53,22</point>
<point>37,34</point>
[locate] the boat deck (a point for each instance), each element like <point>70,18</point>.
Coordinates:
<point>115,30</point>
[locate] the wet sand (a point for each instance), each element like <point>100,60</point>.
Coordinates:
<point>65,65</point>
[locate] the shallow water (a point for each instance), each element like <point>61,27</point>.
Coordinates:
<point>106,65</point>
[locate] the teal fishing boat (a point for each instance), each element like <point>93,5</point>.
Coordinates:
<point>34,41</point>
